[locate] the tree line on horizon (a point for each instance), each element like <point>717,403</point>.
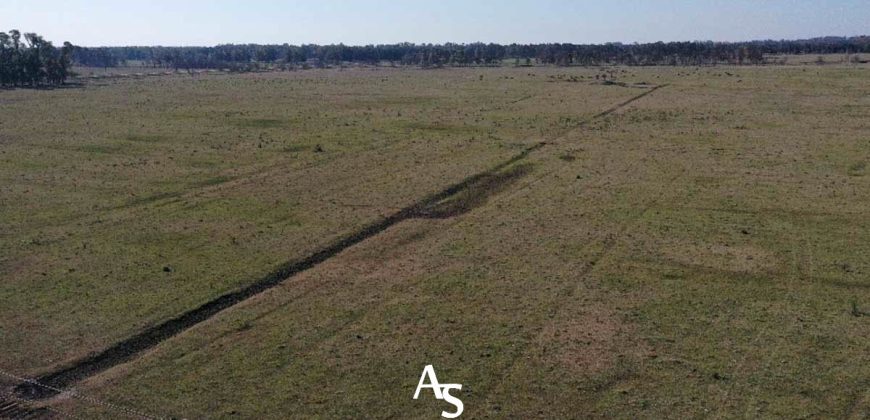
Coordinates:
<point>32,61</point>
<point>248,56</point>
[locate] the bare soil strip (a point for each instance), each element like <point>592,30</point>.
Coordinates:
<point>626,102</point>
<point>127,349</point>
<point>451,201</point>
<point>474,195</point>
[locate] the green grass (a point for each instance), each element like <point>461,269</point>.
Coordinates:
<point>858,169</point>
<point>701,252</point>
<point>260,123</point>
<point>145,138</point>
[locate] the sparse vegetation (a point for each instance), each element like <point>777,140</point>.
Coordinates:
<point>696,251</point>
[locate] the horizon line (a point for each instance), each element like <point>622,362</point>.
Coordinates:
<point>475,42</point>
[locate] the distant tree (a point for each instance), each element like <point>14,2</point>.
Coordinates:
<point>755,55</point>
<point>7,54</point>
<point>38,62</point>
<point>33,63</point>
<point>742,54</point>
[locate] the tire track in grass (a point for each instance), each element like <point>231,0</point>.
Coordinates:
<point>13,408</point>
<point>129,348</point>
<point>569,291</point>
<point>222,181</point>
<point>609,244</point>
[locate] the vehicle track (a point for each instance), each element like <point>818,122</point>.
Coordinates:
<point>12,408</point>
<point>127,349</point>
<point>131,208</point>
<point>432,206</point>
<point>568,292</point>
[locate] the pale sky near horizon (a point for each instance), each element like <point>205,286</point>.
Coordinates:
<point>201,22</point>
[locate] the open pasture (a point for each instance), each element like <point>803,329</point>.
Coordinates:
<point>674,242</point>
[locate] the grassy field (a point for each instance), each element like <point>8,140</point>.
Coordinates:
<point>700,251</point>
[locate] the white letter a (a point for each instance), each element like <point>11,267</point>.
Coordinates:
<point>433,383</point>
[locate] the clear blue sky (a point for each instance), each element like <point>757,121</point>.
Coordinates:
<point>202,22</point>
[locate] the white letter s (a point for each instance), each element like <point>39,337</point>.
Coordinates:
<point>452,400</point>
